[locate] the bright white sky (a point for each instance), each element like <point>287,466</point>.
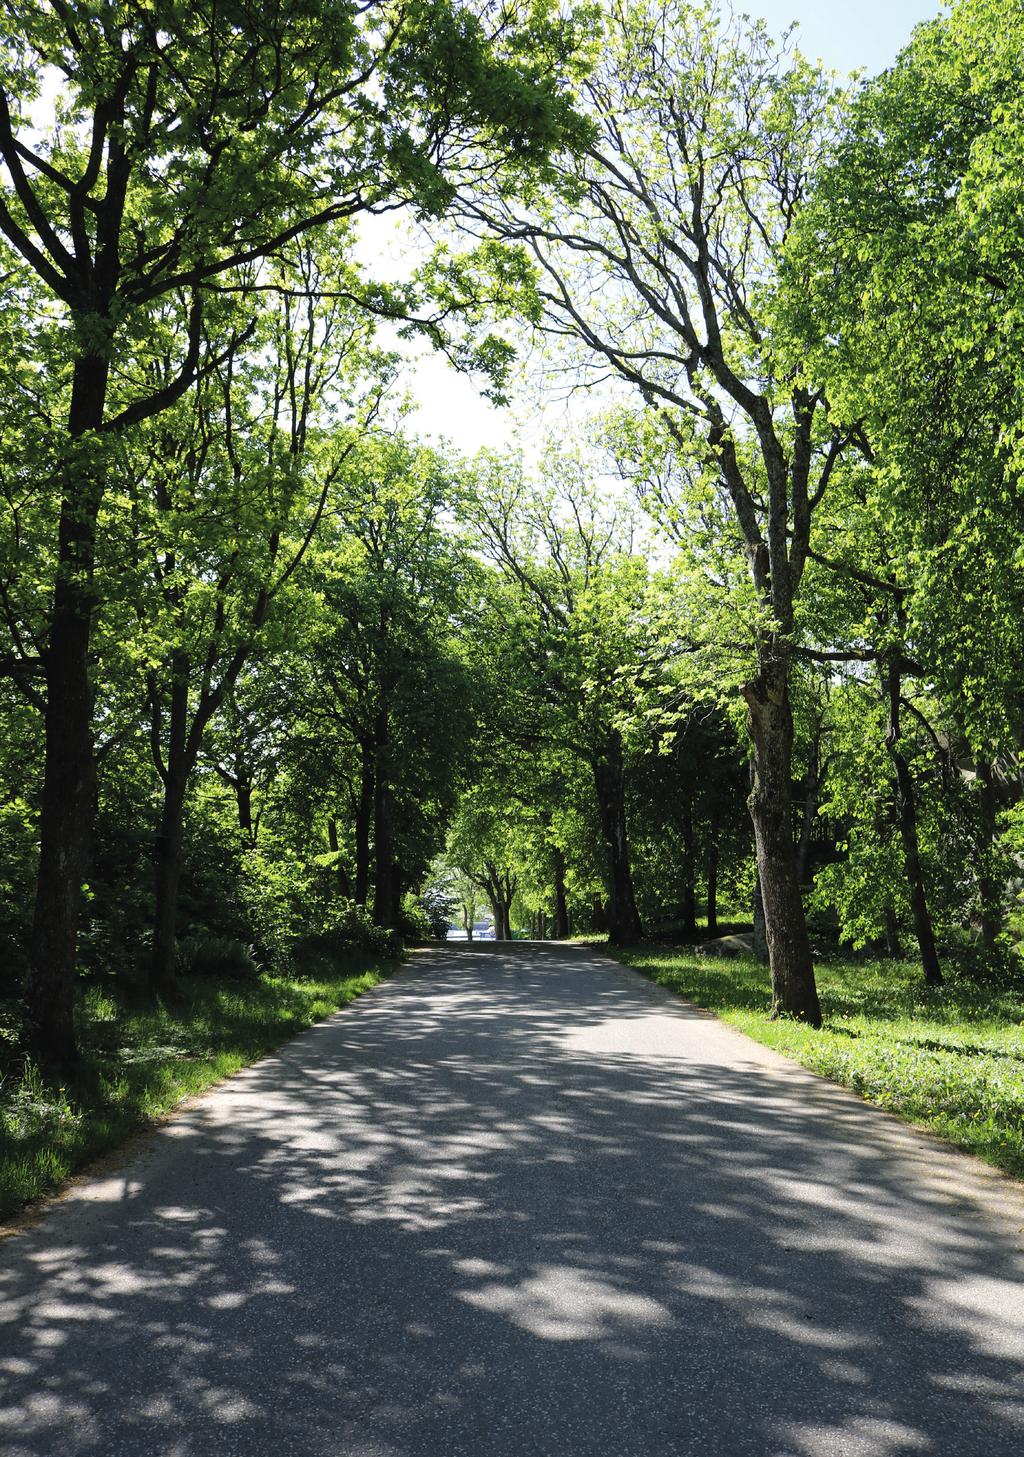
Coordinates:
<point>846,35</point>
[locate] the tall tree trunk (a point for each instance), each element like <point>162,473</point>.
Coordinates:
<point>383,859</point>
<point>560,927</point>
<point>384,869</point>
<point>906,813</point>
<point>609,780</point>
<point>770,722</point>
<point>757,915</point>
<point>499,914</point>
<point>243,800</point>
<point>364,820</point>
<point>689,886</point>
<point>67,798</point>
<point>712,886</point>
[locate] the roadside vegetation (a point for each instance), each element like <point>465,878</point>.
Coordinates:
<point>140,1059</point>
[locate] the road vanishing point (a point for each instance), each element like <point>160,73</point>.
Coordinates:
<point>519,1202</point>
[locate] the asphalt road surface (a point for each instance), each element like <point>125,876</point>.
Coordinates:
<point>518,1202</point>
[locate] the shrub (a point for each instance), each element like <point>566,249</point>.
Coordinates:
<point>415,922</point>
<point>217,956</point>
<point>351,927</point>
<point>348,930</point>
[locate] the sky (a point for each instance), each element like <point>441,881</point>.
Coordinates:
<point>846,35</point>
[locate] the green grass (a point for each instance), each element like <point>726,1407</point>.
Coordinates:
<point>950,1059</point>
<point>140,1059</point>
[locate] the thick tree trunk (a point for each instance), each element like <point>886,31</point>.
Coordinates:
<point>906,814</point>
<point>67,798</point>
<point>499,914</point>
<point>770,722</point>
<point>386,893</point>
<point>757,915</point>
<point>712,886</point>
<point>560,927</point>
<point>383,860</point>
<point>609,780</point>
<point>243,800</point>
<point>689,882</point>
<point>364,820</point>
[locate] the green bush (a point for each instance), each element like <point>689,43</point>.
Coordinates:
<point>223,957</point>
<point>416,923</point>
<point>349,926</point>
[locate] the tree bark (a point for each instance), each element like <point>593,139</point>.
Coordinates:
<point>67,797</point>
<point>906,814</point>
<point>757,915</point>
<point>770,722</point>
<point>385,896</point>
<point>560,927</point>
<point>689,886</point>
<point>712,886</point>
<point>364,820</point>
<point>624,925</point>
<point>243,800</point>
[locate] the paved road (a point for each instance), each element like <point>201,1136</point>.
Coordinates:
<point>520,1203</point>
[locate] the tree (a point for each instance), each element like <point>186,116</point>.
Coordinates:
<point>382,653</point>
<point>589,628</point>
<point>904,297</point>
<point>232,485</point>
<point>183,144</point>
<point>656,260</point>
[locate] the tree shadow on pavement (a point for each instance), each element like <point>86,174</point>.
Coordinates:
<point>521,1203</point>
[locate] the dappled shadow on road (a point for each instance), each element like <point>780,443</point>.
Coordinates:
<point>519,1202</point>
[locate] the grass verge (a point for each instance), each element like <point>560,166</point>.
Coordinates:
<point>950,1059</point>
<point>140,1059</point>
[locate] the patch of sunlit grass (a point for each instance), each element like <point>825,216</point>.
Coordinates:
<point>140,1059</point>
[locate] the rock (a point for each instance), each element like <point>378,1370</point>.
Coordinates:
<point>738,945</point>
